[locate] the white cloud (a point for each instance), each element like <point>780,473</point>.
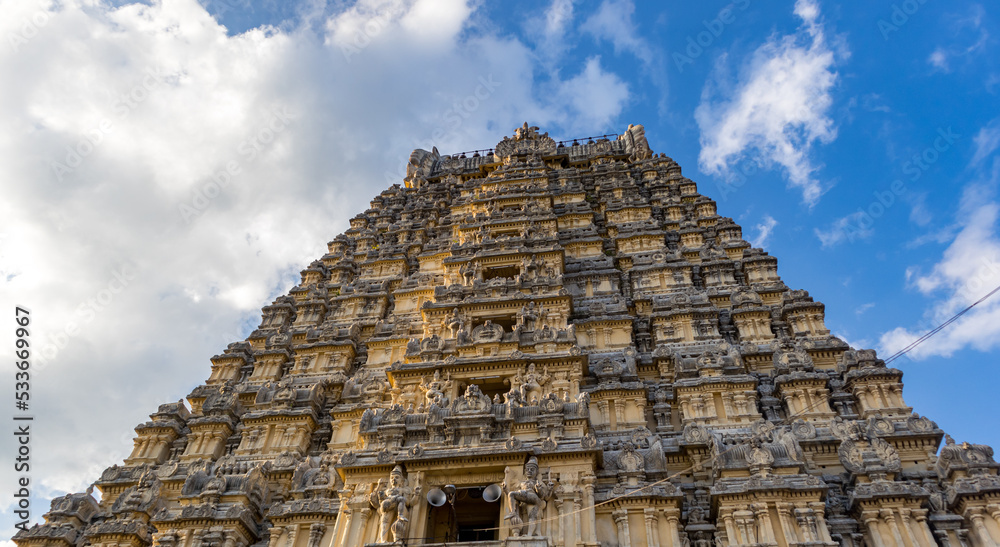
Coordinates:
<point>968,270</point>
<point>158,102</point>
<point>939,60</point>
<point>987,141</point>
<point>597,96</point>
<point>764,230</point>
<point>778,108</point>
<point>614,22</point>
<point>551,31</point>
<point>851,228</point>
<point>860,310</point>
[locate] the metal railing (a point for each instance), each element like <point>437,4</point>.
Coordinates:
<point>575,142</point>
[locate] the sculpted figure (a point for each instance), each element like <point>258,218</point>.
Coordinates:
<point>528,500</point>
<point>455,322</point>
<point>527,316</point>
<point>393,503</point>
<point>435,388</point>
<point>531,388</point>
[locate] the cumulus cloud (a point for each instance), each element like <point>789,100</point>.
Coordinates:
<point>614,22</point>
<point>163,179</point>
<point>597,95</point>
<point>764,229</point>
<point>778,108</point>
<point>968,270</point>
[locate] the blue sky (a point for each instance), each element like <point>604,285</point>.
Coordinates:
<point>870,133</point>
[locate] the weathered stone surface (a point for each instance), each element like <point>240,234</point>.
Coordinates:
<point>559,344</point>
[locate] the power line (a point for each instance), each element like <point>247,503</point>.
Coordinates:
<point>938,329</point>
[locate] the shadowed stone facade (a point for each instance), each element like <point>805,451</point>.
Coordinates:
<point>570,322</point>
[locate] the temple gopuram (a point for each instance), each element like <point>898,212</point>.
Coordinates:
<point>545,344</point>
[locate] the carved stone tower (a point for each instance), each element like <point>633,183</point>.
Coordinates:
<point>544,344</point>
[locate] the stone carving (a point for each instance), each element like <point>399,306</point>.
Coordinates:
<point>393,502</point>
<point>434,389</point>
<point>527,500</point>
<point>472,402</point>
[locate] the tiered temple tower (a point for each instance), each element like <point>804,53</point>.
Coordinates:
<point>543,344</point>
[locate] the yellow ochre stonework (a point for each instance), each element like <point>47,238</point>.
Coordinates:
<point>544,344</point>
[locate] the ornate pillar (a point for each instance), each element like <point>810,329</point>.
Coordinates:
<point>889,517</point>
<point>316,533</point>
<point>673,523</point>
<point>589,517</point>
<point>652,525</point>
<point>565,516</point>
<point>275,535</point>
<point>766,534</point>
<point>621,521</point>
<point>870,519</point>
<point>802,518</point>
<point>787,524</point>
<point>366,513</point>
<point>730,524</point>
<point>977,518</point>
<point>577,530</point>
<point>344,519</point>
<point>293,530</point>
<point>602,407</point>
<point>904,514</point>
<point>819,510</point>
<point>620,413</point>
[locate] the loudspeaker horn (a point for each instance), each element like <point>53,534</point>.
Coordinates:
<point>436,497</point>
<point>492,493</point>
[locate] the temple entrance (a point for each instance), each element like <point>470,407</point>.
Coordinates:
<point>468,519</point>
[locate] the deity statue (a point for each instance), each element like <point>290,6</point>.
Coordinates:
<point>455,322</point>
<point>393,503</point>
<point>527,317</point>
<point>529,499</point>
<point>531,388</point>
<point>434,389</point>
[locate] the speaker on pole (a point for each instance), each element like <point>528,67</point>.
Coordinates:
<point>492,493</point>
<point>436,497</point>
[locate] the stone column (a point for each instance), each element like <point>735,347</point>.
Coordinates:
<point>565,507</point>
<point>730,524</point>
<point>275,536</point>
<point>577,530</point>
<point>765,534</point>
<point>652,525</point>
<point>316,533</point>
<point>344,520</point>
<point>787,523</point>
<point>673,523</point>
<point>621,521</point>
<point>908,526</point>
<point>870,519</point>
<point>819,509</point>
<point>889,517</point>
<point>602,408</point>
<point>366,513</point>
<point>293,530</point>
<point>979,524</point>
<point>620,413</point>
<point>589,517</point>
<point>802,517</point>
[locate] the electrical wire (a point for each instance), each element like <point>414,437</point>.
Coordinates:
<point>938,329</point>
